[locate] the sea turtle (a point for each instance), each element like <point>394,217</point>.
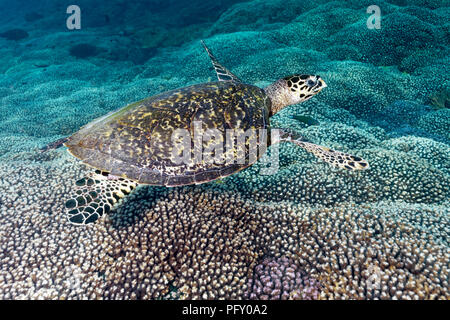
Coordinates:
<point>136,145</point>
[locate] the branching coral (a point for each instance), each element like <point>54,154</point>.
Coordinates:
<point>208,243</point>
<point>307,232</point>
<point>281,279</point>
<point>437,123</point>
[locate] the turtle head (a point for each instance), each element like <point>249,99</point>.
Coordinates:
<point>293,89</point>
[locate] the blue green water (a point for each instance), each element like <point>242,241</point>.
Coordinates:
<point>309,231</point>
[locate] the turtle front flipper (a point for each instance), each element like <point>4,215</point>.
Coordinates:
<point>223,74</point>
<point>335,158</point>
<point>96,195</point>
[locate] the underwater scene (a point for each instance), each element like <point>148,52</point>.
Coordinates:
<point>116,182</point>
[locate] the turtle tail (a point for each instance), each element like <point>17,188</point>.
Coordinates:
<point>96,195</point>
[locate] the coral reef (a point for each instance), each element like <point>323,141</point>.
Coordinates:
<point>206,242</point>
<point>307,232</point>
<point>33,16</point>
<point>281,279</point>
<point>14,34</point>
<point>83,50</point>
<point>436,122</point>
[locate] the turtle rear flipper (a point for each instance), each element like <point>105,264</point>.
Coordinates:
<point>96,195</point>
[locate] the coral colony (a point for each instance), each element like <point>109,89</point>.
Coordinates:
<point>309,231</point>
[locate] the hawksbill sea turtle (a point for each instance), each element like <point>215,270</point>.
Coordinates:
<point>134,145</point>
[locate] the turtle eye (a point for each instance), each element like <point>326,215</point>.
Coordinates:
<point>311,83</point>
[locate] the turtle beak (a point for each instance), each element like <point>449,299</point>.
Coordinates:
<point>320,84</point>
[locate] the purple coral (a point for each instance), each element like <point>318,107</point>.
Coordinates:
<point>281,278</point>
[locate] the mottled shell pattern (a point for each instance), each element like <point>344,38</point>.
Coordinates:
<point>136,142</point>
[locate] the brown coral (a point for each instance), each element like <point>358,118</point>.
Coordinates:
<point>206,243</point>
